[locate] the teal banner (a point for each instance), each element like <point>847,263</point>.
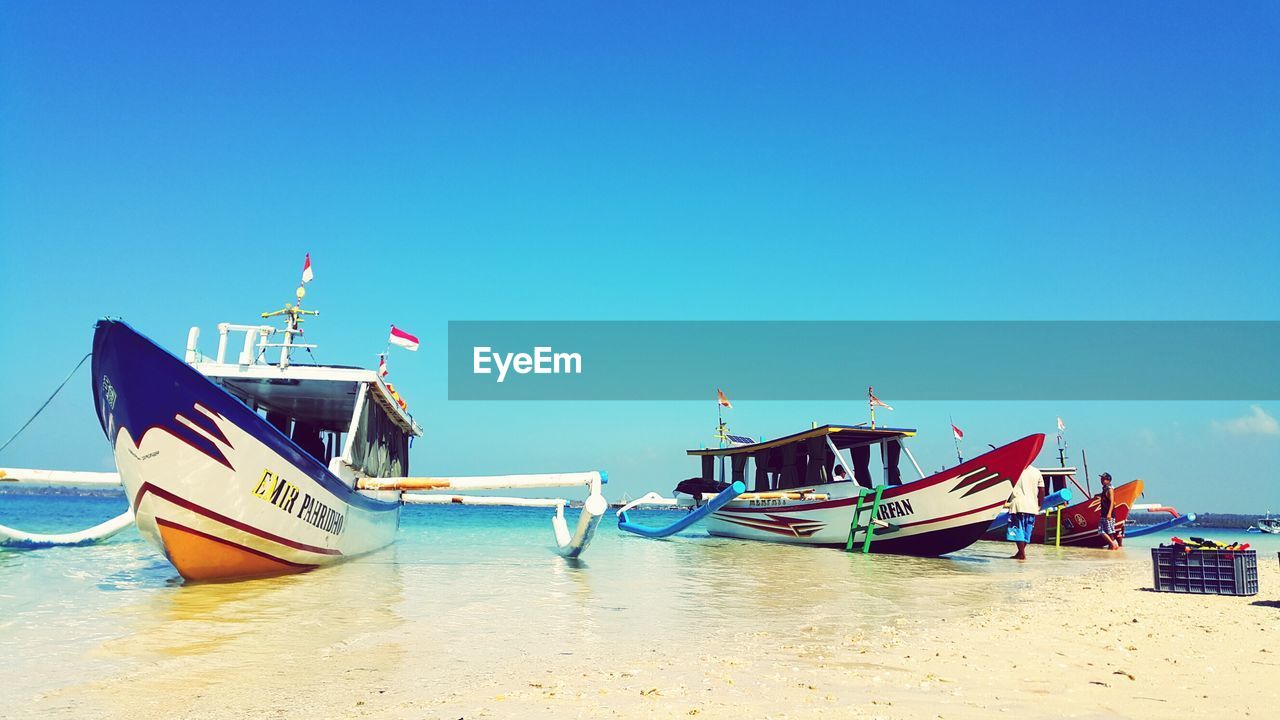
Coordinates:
<point>819,360</point>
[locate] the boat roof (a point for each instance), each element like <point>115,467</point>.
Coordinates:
<point>320,392</point>
<point>842,436</point>
<point>1058,471</point>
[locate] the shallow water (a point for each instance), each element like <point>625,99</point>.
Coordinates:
<point>462,585</point>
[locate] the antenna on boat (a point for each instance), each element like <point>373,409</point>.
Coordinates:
<point>872,402</point>
<point>955,436</point>
<point>293,315</point>
<point>722,430</point>
<point>1062,445</point>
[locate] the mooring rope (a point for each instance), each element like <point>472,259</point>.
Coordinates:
<point>46,402</point>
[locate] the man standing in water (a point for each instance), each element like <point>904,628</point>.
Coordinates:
<point>1023,507</point>
<point>1107,523</point>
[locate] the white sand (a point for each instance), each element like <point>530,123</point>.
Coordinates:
<point>1097,645</point>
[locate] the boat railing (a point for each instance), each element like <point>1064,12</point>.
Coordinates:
<point>252,350</point>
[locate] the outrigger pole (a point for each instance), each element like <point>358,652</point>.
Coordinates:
<point>23,540</point>
<point>18,539</point>
<point>568,545</point>
<point>720,500</point>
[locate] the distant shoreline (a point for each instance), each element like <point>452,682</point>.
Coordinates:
<point>1222,521</point>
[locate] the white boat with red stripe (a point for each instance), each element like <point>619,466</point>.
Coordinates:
<point>804,489</point>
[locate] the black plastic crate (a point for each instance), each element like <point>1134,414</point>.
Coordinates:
<point>1205,572</point>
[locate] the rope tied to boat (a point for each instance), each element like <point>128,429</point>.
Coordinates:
<point>46,402</point>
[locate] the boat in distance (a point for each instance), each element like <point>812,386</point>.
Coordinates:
<point>1268,525</point>
<point>790,492</point>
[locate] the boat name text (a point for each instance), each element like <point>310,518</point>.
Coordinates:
<point>283,494</point>
<point>543,361</point>
<point>894,509</point>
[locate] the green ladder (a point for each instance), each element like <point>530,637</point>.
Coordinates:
<point>863,493</point>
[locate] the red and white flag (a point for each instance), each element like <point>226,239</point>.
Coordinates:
<point>1061,426</point>
<point>722,400</point>
<point>874,401</point>
<point>400,338</point>
<point>307,274</point>
<point>382,366</point>
<point>957,432</point>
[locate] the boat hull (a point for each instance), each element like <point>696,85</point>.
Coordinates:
<point>1080,521</point>
<point>943,513</point>
<point>223,494</point>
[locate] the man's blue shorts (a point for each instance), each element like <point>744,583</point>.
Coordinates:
<point>1020,526</point>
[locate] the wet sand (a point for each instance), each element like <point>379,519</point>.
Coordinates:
<point>1102,645</point>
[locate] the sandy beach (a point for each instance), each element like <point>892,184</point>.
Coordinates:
<point>1073,633</point>
<point>1098,646</point>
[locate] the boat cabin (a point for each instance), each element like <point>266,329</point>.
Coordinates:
<point>809,458</point>
<point>347,418</point>
<point>1056,479</point>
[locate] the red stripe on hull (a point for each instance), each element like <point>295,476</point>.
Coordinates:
<point>231,522</point>
<point>1007,461</point>
<point>200,556</point>
<point>953,516</point>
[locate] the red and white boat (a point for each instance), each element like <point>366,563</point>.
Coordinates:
<point>789,493</point>
<point>1078,523</point>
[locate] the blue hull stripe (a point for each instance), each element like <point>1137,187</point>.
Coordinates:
<point>142,386</point>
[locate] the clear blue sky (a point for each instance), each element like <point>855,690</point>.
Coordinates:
<point>171,165</point>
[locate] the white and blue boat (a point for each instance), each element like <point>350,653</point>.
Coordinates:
<point>253,463</point>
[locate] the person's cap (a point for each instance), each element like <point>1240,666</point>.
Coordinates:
<point>1105,476</point>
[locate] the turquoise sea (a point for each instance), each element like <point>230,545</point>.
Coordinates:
<point>466,588</point>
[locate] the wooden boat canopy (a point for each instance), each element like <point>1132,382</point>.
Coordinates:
<point>842,436</point>
<point>807,459</point>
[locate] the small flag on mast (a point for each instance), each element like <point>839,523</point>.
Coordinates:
<point>722,400</point>
<point>400,338</point>
<point>1061,426</point>
<point>382,366</point>
<point>307,273</point>
<point>874,401</point>
<point>957,432</point>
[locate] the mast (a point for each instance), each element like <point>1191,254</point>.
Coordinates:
<point>722,434</point>
<point>292,324</point>
<point>954,438</point>
<point>1062,445</point>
